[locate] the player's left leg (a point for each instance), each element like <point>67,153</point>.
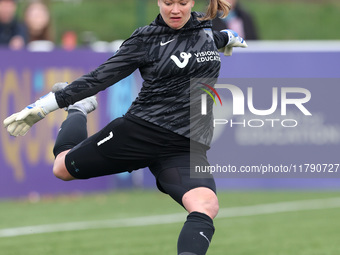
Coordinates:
<point>202,206</point>
<point>202,200</point>
<point>198,197</point>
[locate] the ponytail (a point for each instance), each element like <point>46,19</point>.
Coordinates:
<point>215,6</point>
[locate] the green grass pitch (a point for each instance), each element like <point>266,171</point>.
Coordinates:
<point>309,231</point>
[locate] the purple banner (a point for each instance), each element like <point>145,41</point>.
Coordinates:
<point>26,162</point>
<point>281,65</point>
<point>316,144</point>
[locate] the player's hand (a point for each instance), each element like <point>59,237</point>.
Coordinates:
<point>19,123</point>
<point>234,41</point>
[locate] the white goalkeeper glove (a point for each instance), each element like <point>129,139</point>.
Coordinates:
<point>234,41</point>
<point>19,123</point>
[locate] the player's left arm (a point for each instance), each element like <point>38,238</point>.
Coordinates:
<point>226,39</point>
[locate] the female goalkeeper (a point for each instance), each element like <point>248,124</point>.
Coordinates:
<point>155,132</point>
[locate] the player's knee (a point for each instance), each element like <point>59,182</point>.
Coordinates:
<point>62,174</point>
<point>211,208</point>
<point>215,209</point>
<point>208,207</point>
<point>59,169</point>
<point>201,200</point>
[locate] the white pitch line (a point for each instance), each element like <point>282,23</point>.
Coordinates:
<point>252,210</point>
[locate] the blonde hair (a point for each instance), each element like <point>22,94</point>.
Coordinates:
<point>215,6</point>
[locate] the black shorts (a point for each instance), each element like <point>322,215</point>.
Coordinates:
<point>128,144</point>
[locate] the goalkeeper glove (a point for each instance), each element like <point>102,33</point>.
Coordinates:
<point>19,123</point>
<point>234,41</point>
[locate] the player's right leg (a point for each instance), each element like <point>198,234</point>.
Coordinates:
<point>59,167</point>
<point>72,132</point>
<point>114,149</point>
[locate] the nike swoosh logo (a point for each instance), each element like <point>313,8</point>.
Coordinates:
<point>165,43</point>
<point>202,234</point>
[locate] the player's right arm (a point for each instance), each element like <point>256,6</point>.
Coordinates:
<point>19,123</point>
<point>130,56</point>
<point>127,59</point>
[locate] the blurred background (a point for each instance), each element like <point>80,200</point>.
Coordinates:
<point>291,43</point>
<point>83,22</point>
<point>276,20</point>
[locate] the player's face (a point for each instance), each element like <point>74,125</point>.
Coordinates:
<point>175,13</point>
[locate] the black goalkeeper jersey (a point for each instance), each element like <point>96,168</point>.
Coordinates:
<point>167,60</point>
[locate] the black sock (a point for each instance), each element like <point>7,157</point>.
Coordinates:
<point>72,132</point>
<point>196,235</point>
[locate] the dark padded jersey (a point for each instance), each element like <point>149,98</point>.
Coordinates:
<point>167,60</point>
